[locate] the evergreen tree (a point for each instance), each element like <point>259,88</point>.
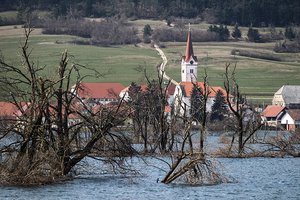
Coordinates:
<point>289,33</point>
<point>253,35</point>
<point>147,32</point>
<point>236,32</point>
<point>219,107</point>
<point>196,104</point>
<point>222,31</point>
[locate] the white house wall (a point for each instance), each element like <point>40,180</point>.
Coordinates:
<point>287,119</point>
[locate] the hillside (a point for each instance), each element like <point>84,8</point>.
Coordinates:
<point>259,76</point>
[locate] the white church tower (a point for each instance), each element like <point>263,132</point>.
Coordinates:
<point>189,62</point>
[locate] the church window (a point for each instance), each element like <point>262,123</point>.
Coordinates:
<point>182,71</point>
<point>191,71</point>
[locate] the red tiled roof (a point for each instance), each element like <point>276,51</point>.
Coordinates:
<point>188,86</point>
<point>295,114</point>
<point>272,110</point>
<point>8,109</point>
<point>99,90</point>
<point>143,88</point>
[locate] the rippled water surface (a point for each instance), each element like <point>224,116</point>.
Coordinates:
<point>255,178</point>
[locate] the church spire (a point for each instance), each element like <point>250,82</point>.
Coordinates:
<point>189,52</point>
<point>189,61</point>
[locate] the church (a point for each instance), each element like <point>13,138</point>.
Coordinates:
<point>189,76</point>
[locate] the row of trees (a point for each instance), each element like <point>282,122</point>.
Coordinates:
<point>258,13</point>
<point>108,32</point>
<point>221,33</point>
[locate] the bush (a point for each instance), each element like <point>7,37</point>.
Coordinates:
<point>176,35</point>
<point>255,54</point>
<point>253,35</point>
<point>221,31</point>
<point>289,33</point>
<point>4,21</point>
<point>287,47</point>
<point>147,40</point>
<point>236,33</point>
<point>147,32</point>
<point>107,32</point>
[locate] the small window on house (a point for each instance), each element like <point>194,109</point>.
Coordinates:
<point>182,71</point>
<point>191,71</point>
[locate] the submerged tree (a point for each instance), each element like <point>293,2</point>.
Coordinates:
<point>245,121</point>
<point>44,143</point>
<point>188,164</point>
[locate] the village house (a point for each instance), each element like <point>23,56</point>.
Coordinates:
<point>189,77</point>
<point>272,114</point>
<point>12,111</point>
<point>8,110</point>
<point>98,93</point>
<point>291,119</point>
<point>287,96</point>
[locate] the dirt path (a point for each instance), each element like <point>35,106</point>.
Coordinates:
<point>163,65</point>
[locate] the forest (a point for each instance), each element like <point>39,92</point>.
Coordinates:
<point>245,13</point>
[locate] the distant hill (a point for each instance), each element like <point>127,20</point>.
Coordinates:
<point>244,12</point>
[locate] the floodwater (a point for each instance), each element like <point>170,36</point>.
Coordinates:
<point>251,178</point>
<point>254,178</point>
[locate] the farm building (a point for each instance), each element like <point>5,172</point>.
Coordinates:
<point>99,93</point>
<point>291,119</point>
<point>288,96</point>
<point>272,114</point>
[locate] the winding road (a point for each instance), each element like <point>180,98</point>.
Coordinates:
<point>163,65</point>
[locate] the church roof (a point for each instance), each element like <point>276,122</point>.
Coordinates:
<point>189,52</point>
<point>187,88</point>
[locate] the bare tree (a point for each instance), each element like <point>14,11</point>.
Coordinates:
<point>201,119</point>
<point>43,141</point>
<point>193,166</point>
<point>245,121</point>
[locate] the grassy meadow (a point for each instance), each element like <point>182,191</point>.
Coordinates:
<point>116,64</point>
<point>258,78</point>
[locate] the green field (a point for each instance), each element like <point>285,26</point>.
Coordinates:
<point>117,63</point>
<point>258,78</point>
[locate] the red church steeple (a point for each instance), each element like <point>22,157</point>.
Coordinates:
<point>189,61</point>
<point>189,52</point>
